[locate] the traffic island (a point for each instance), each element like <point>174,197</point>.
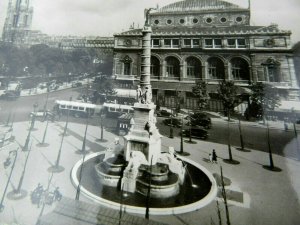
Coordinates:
<point>231,161</point>
<point>17,195</point>
<point>190,141</point>
<point>243,149</point>
<point>272,168</point>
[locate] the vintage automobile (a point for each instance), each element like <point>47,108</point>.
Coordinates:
<point>195,133</point>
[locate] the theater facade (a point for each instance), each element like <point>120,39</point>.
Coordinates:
<point>208,40</point>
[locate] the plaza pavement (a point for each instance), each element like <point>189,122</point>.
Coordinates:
<point>260,196</point>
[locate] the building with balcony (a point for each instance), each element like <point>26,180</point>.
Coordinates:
<point>209,40</point>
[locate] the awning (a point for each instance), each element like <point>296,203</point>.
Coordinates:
<point>129,93</point>
<point>289,106</point>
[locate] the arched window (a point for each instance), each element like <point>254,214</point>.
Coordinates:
<point>272,70</point>
<point>154,67</point>
<point>193,68</point>
<point>172,67</point>
<point>127,61</point>
<point>240,69</point>
<point>216,69</point>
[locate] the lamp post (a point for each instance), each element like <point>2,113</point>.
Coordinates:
<point>44,202</point>
<point>171,125</point>
<point>19,193</point>
<point>15,152</point>
<point>182,152</point>
<point>271,167</point>
<point>25,147</point>
<point>83,149</point>
<point>43,144</point>
<point>101,128</point>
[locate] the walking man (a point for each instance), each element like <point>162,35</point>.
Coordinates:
<point>214,156</point>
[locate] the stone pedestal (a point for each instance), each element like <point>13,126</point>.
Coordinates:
<point>143,136</point>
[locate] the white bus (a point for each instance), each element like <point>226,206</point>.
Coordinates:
<point>77,109</point>
<point>115,110</point>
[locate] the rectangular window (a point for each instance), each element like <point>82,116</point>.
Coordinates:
<point>231,43</point>
<point>217,43</point>
<point>63,106</point>
<point>208,43</point>
<point>81,108</point>
<point>187,42</point>
<point>155,43</point>
<point>241,43</point>
<point>175,42</point>
<point>75,107</point>
<point>167,42</point>
<point>196,43</point>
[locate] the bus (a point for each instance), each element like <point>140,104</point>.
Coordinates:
<point>76,109</point>
<point>115,110</point>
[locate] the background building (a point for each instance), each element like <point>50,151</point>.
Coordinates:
<point>209,40</point>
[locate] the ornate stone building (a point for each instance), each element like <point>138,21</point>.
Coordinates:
<point>18,21</point>
<point>17,30</point>
<point>209,40</point>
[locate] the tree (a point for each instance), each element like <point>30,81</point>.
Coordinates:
<point>104,86</point>
<point>264,98</point>
<point>200,91</point>
<point>228,95</point>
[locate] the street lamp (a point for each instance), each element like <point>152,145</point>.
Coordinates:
<point>15,153</point>
<point>19,193</point>
<point>181,152</point>
<point>101,128</point>
<point>171,125</point>
<point>190,141</point>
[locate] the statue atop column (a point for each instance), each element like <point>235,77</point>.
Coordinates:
<point>147,12</point>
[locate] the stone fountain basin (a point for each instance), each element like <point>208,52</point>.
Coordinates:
<point>199,190</point>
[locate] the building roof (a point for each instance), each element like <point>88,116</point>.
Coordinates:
<point>230,30</point>
<point>197,5</point>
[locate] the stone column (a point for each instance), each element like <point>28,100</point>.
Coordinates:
<point>203,75</point>
<point>181,76</point>
<point>253,75</point>
<point>226,74</point>
<point>292,72</point>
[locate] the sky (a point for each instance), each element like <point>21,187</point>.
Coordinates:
<point>106,17</point>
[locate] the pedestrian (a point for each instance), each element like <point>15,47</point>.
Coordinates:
<point>214,156</point>
<point>210,157</point>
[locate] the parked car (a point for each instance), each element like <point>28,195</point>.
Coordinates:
<point>199,119</point>
<point>173,122</point>
<point>196,133</point>
<point>76,84</point>
<point>40,114</point>
<point>164,113</point>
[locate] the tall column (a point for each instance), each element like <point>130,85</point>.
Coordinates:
<point>146,60</point>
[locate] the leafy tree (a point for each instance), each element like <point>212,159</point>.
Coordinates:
<point>200,91</point>
<point>264,98</point>
<point>228,95</point>
<point>104,86</point>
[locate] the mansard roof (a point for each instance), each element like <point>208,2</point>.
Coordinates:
<point>232,30</point>
<point>197,5</point>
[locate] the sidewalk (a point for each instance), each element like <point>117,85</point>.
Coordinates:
<point>38,91</point>
<point>257,196</point>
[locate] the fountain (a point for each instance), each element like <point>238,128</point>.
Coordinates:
<point>140,168</point>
